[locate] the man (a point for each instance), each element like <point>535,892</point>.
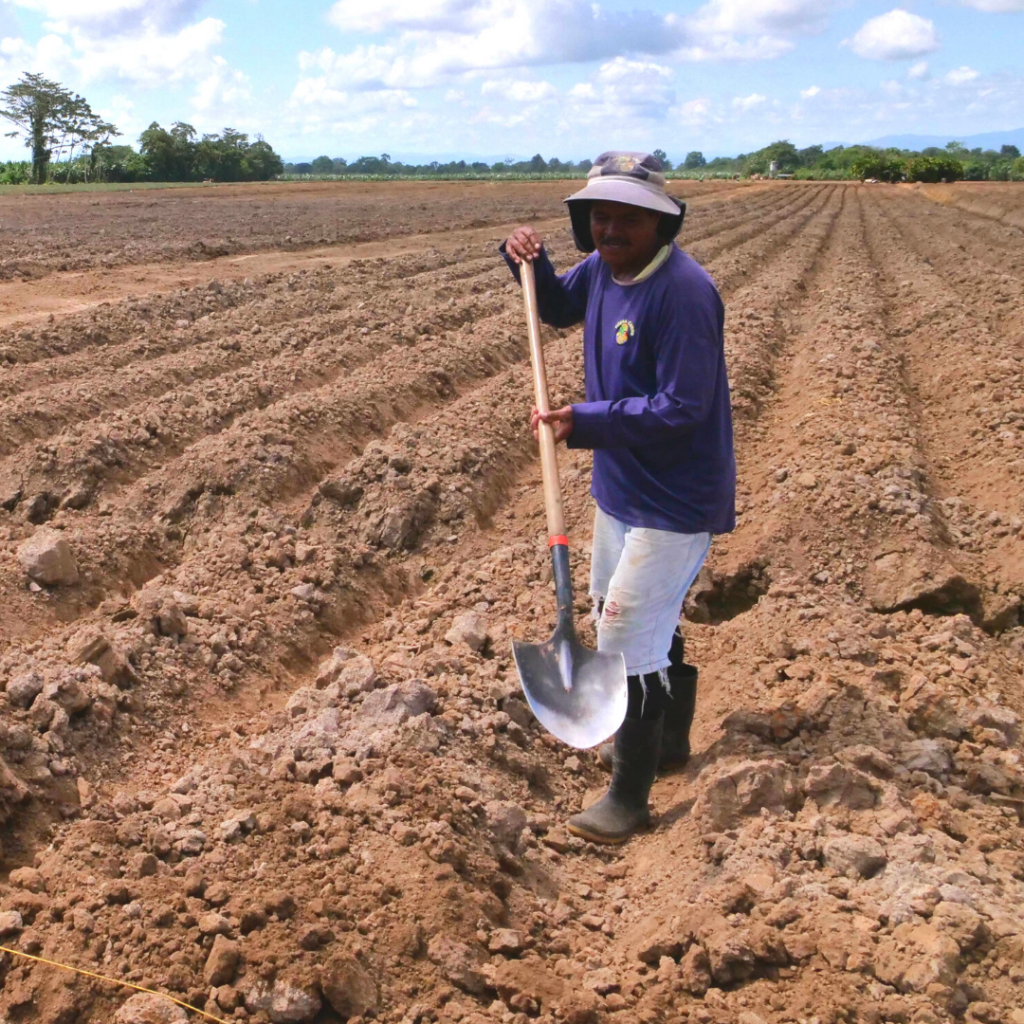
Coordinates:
<point>659,421</point>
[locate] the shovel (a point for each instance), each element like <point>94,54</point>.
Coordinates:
<point>577,694</point>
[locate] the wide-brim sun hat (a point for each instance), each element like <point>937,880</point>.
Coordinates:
<point>636,179</point>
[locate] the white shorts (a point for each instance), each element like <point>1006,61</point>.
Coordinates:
<point>642,576</point>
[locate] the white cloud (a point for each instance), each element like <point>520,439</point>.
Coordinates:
<point>897,35</point>
<point>422,43</point>
<point>452,37</point>
<point>692,113</point>
<point>918,70</point>
<point>725,47</point>
<point>16,54</point>
<point>810,93</point>
<point>519,91</point>
<point>747,103</point>
<point>433,15</point>
<point>624,91</point>
<point>224,90</point>
<point>319,93</point>
<point>995,6</point>
<point>902,105</point>
<point>104,18</point>
<point>147,43</point>
<point>672,110</point>
<point>745,30</point>
<point>620,68</point>
<point>150,58</point>
<point>763,17</point>
<point>320,109</point>
<point>493,35</point>
<point>961,75</point>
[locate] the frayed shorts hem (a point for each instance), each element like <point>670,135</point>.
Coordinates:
<point>638,580</point>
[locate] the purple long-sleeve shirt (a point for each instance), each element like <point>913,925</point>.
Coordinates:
<point>657,414</point>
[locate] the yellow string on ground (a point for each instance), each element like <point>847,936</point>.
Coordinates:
<point>112,981</point>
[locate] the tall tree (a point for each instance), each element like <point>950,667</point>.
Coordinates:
<point>660,154</point>
<point>169,155</point>
<point>79,126</point>
<point>51,120</point>
<point>261,163</point>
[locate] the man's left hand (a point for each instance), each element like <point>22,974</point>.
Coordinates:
<point>560,419</point>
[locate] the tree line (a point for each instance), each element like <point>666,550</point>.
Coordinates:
<point>69,143</point>
<point>954,162</point>
<point>324,166</point>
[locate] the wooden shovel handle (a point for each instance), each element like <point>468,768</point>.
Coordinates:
<point>548,458</point>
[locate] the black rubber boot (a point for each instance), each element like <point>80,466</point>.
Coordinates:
<point>675,744</point>
<point>679,709</point>
<point>623,809</point>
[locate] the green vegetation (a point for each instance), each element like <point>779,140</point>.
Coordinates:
<point>384,168</point>
<point>57,124</point>
<point>953,163</point>
<point>177,155</point>
<point>53,122</point>
<point>812,163</point>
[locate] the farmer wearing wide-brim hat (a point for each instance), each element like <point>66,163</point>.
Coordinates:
<point>658,419</point>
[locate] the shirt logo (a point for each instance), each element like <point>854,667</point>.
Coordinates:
<point>624,330</point>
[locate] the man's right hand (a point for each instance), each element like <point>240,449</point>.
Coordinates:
<point>523,244</point>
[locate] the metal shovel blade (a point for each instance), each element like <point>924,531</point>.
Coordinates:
<point>577,694</point>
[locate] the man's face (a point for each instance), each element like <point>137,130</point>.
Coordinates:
<point>626,236</point>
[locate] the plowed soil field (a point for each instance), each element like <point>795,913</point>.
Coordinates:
<point>270,517</point>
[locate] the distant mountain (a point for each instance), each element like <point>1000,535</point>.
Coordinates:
<point>987,140</point>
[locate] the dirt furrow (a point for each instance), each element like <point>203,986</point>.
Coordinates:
<point>362,544</point>
<point>753,329</point>
<point>710,220</point>
<point>319,407</point>
<point>159,318</point>
<point>153,363</point>
<point>986,276</point>
<point>138,434</point>
<point>982,202</point>
<point>84,275</point>
<point>137,328</point>
<point>838,447</point>
<point>743,896</point>
<point>27,415</point>
<point>204,505</point>
<point>968,386</point>
<point>307,353</point>
<point>269,454</point>
<point>732,240</point>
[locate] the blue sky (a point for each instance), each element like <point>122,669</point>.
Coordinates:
<point>513,77</point>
